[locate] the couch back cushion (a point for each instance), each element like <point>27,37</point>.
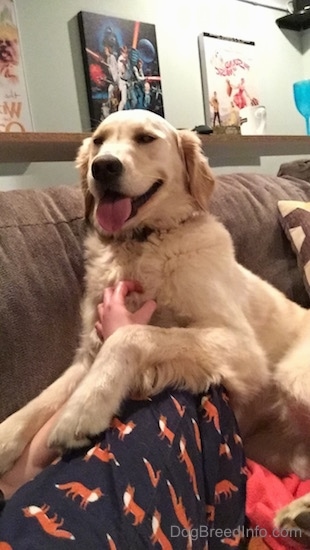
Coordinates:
<point>248,206</point>
<point>41,273</point>
<point>41,270</point>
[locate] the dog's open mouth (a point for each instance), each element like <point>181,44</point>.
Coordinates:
<point>114,209</point>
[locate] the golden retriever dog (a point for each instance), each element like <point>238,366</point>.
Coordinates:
<point>147,187</point>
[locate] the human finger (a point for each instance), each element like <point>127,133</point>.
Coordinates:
<point>143,315</point>
<point>100,310</point>
<point>99,330</point>
<point>123,288</point>
<point>108,294</point>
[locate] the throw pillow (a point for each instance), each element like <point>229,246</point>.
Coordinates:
<point>295,220</point>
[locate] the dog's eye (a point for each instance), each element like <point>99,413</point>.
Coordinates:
<point>145,138</point>
<point>98,141</point>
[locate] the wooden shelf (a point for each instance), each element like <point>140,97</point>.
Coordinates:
<point>39,147</point>
<point>237,146</point>
<point>49,147</point>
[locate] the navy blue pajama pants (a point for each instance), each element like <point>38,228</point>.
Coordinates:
<point>168,474</point>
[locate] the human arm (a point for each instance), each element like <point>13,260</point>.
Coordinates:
<point>138,75</point>
<point>36,456</point>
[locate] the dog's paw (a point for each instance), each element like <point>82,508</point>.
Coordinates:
<point>63,437</point>
<point>75,428</point>
<point>90,409</point>
<point>295,518</point>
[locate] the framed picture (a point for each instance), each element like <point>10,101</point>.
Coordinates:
<point>228,76</point>
<point>15,113</point>
<point>121,65</point>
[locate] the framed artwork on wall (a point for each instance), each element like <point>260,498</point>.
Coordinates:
<point>228,76</point>
<point>15,113</point>
<point>121,65</point>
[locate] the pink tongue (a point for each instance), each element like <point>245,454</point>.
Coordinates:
<point>112,214</point>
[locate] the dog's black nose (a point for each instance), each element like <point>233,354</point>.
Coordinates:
<point>107,169</point>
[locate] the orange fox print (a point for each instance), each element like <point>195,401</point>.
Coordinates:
<point>5,546</point>
<point>233,542</point>
<point>179,509</point>
<point>55,461</point>
<point>158,534</point>
<point>105,455</point>
<point>224,487</point>
<point>111,543</point>
<point>180,408</point>
<point>197,434</point>
<point>225,397</point>
<point>154,476</point>
<point>238,440</point>
<point>184,457</point>
<point>164,430</point>
<point>131,507</point>
<point>225,450</point>
<point>244,470</point>
<point>210,511</point>
<point>75,489</point>
<point>48,524</point>
<point>210,412</point>
<point>123,429</point>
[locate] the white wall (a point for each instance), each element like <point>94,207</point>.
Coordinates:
<point>54,72</point>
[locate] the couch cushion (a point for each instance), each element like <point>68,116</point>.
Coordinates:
<point>295,220</point>
<point>41,272</point>
<point>297,169</point>
<point>248,206</point>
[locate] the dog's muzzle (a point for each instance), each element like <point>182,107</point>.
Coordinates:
<point>115,208</point>
<point>106,171</point>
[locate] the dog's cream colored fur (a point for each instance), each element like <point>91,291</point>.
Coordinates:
<point>215,321</point>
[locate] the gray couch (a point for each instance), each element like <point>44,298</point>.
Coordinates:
<point>41,269</point>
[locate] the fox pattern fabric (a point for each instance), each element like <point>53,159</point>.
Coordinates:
<point>168,474</point>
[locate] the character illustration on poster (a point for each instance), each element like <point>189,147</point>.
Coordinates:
<point>9,54</point>
<point>228,78</point>
<point>121,65</point>
<point>14,106</point>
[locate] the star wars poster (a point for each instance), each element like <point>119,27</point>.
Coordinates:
<point>121,65</point>
<point>14,106</point>
<point>228,77</point>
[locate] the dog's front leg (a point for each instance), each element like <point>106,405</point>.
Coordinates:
<point>91,407</point>
<point>152,358</point>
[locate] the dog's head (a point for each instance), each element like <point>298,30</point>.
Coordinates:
<point>138,171</point>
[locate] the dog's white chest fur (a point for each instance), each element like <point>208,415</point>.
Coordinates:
<point>150,263</point>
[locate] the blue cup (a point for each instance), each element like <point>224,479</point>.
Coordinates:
<point>302,100</point>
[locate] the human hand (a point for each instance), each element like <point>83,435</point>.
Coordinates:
<point>113,314</point>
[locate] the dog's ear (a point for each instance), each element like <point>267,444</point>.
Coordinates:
<point>200,178</point>
<point>82,165</point>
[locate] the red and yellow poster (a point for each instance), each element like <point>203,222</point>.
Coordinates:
<point>14,105</point>
<point>228,75</point>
